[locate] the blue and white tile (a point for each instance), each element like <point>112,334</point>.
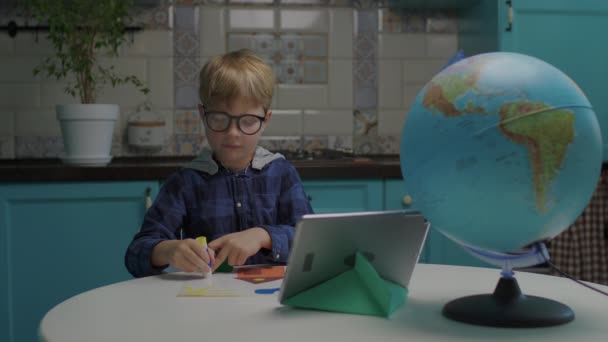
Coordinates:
<point>7,123</point>
<point>264,44</point>
<point>330,122</point>
<point>363,145</point>
<point>341,83</point>
<point>388,144</point>
<point>187,18</point>
<point>315,142</point>
<point>188,144</point>
<point>420,71</point>
<point>186,96</point>
<point>341,34</point>
<point>186,70</point>
<point>367,21</point>
<point>14,95</point>
<point>365,121</point>
<point>406,45</point>
<point>442,22</point>
<point>285,123</point>
<point>305,2</point>
<point>250,2</point>
<point>341,142</point>
<point>186,43</point>
<point>160,82</point>
<point>187,122</point>
<point>366,97</point>
<point>38,146</point>
<point>150,43</point>
<point>41,122</point>
<point>290,72</point>
<point>390,90</point>
<point>237,41</point>
<point>441,45</point>
<point>305,20</point>
<point>156,18</point>
<point>390,122</point>
<point>7,147</point>
<point>250,19</point>
<point>19,69</point>
<point>314,72</point>
<point>312,96</point>
<point>365,73</point>
<point>290,46</point>
<point>281,143</point>
<point>212,31</point>
<point>366,46</point>
<point>314,45</point>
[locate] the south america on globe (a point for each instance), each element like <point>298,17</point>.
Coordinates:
<point>500,150</point>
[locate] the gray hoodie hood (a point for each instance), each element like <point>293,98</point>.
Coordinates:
<point>204,161</point>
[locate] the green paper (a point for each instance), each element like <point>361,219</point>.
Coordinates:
<point>359,290</point>
<point>224,268</point>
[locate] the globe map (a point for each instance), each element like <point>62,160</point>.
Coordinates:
<point>500,150</point>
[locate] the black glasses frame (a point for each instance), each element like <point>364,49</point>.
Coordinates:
<point>235,118</point>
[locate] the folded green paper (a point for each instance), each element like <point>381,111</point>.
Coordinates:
<point>359,290</point>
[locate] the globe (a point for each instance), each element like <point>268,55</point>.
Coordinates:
<point>501,150</point>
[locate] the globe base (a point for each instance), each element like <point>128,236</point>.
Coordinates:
<point>507,307</point>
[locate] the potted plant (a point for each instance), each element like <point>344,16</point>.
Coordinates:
<point>81,31</point>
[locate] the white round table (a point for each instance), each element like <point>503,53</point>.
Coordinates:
<point>149,310</point>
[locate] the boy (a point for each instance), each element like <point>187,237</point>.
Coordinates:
<point>243,198</point>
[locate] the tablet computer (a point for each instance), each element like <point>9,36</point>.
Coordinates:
<point>325,245</point>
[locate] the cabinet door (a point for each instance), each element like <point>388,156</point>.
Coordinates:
<point>332,196</point>
<point>61,239</point>
<point>438,249</point>
<point>566,34</point>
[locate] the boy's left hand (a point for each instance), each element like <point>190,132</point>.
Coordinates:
<point>237,247</point>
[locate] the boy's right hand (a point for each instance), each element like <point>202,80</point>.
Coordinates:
<point>186,255</point>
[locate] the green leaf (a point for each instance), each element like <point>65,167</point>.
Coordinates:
<point>79,30</point>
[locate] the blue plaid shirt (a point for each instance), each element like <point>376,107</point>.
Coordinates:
<point>219,202</point>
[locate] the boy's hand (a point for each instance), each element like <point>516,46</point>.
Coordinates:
<point>186,255</point>
<point>237,247</point>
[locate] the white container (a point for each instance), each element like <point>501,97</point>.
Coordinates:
<point>146,130</point>
<point>87,132</point>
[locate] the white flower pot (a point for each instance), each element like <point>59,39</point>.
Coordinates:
<point>87,132</point>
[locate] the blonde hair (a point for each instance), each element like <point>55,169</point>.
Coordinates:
<point>235,75</point>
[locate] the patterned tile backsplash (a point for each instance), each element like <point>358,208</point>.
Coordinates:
<point>296,58</point>
<point>327,55</point>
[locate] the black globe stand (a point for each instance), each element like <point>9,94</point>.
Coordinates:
<point>508,307</point>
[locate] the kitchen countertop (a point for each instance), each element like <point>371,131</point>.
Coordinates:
<point>158,168</point>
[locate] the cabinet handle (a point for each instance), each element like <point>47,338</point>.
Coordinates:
<point>510,23</point>
<point>407,200</point>
<point>148,198</point>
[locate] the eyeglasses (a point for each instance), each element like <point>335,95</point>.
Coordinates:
<point>248,123</point>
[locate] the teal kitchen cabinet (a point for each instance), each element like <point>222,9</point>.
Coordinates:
<point>332,196</point>
<point>58,240</point>
<point>567,34</point>
<point>438,249</point>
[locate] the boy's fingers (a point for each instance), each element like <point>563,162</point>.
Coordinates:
<point>211,253</point>
<point>232,259</point>
<point>220,258</point>
<point>242,257</point>
<point>194,259</point>
<point>196,247</point>
<point>217,243</point>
